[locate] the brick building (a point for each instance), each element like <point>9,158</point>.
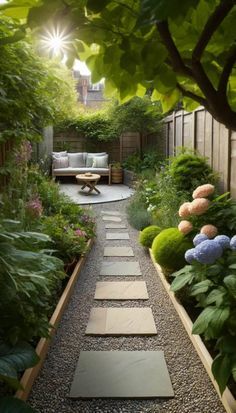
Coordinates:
<point>90,94</point>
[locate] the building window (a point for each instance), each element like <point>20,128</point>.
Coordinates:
<point>94,86</point>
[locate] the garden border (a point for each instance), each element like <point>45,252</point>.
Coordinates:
<point>42,348</point>
<point>227,399</point>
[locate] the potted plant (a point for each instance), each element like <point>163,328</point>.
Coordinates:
<point>116,173</point>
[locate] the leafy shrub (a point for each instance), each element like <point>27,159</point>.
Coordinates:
<point>169,248</point>
<point>29,279</point>
<point>69,239</point>
<point>213,288</point>
<point>149,160</point>
<point>148,234</point>
<point>137,214</point>
<point>189,171</point>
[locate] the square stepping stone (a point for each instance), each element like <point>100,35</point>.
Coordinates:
<point>121,374</point>
<point>111,213</point>
<point>121,290</point>
<point>111,218</point>
<point>115,226</point>
<point>121,321</point>
<point>117,235</point>
<point>118,252</point>
<point>120,268</point>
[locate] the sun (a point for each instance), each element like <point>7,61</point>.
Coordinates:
<point>56,41</point>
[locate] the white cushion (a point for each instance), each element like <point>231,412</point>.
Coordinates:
<point>61,162</point>
<point>76,160</point>
<point>69,170</point>
<point>90,156</point>
<point>100,161</point>
<point>59,154</point>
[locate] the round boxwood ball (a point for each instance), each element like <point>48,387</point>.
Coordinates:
<point>147,235</point>
<point>169,247</point>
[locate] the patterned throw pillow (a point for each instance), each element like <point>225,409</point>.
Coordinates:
<point>59,154</point>
<point>91,156</point>
<point>100,162</point>
<point>62,162</point>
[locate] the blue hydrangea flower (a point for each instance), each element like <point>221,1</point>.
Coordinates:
<point>199,238</point>
<point>190,255</point>
<point>223,241</point>
<point>208,252</point>
<point>233,243</point>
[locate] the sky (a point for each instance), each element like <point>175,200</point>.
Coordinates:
<point>81,66</point>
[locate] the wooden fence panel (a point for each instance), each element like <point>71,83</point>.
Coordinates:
<point>198,130</point>
<point>233,165</point>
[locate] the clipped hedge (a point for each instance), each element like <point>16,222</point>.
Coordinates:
<point>169,248</point>
<point>147,235</point>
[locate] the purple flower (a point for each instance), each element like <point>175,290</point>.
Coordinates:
<point>233,243</point>
<point>223,241</point>
<point>199,238</point>
<point>208,252</point>
<point>190,255</point>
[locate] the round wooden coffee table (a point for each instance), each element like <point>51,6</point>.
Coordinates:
<point>89,181</point>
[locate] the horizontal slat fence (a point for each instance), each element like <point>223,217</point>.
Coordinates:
<point>199,130</point>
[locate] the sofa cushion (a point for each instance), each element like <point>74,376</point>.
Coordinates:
<point>76,160</point>
<point>90,156</point>
<point>100,161</point>
<point>75,171</point>
<point>61,162</point>
<point>59,154</point>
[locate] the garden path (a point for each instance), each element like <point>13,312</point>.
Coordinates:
<point>193,391</point>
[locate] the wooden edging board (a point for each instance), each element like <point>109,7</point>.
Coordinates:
<point>227,398</point>
<point>31,374</point>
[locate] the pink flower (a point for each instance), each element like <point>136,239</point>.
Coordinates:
<point>199,206</point>
<point>203,191</point>
<point>34,207</point>
<point>80,233</point>
<point>209,230</point>
<point>185,227</point>
<point>184,209</point>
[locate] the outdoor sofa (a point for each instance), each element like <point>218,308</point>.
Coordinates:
<point>74,163</point>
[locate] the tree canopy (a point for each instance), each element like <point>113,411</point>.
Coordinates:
<point>180,50</point>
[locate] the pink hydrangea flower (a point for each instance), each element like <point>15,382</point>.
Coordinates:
<point>185,227</point>
<point>184,209</point>
<point>203,191</point>
<point>209,230</point>
<point>199,206</point>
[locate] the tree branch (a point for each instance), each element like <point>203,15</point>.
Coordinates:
<point>176,60</point>
<point>192,95</point>
<point>211,25</point>
<point>229,64</point>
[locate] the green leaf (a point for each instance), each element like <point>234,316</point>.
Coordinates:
<point>230,282</point>
<point>216,296</point>
<point>169,100</point>
<point>14,359</point>
<point>162,9</point>
<point>181,280</point>
<point>17,12</point>
<point>213,317</point>
<point>13,405</point>
<point>221,369</point>
<point>201,287</point>
<point>96,6</point>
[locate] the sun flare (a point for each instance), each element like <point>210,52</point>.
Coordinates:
<point>56,41</point>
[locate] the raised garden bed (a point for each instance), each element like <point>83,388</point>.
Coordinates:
<point>227,398</point>
<point>42,348</point>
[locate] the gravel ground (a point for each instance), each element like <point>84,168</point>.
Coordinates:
<point>194,392</point>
